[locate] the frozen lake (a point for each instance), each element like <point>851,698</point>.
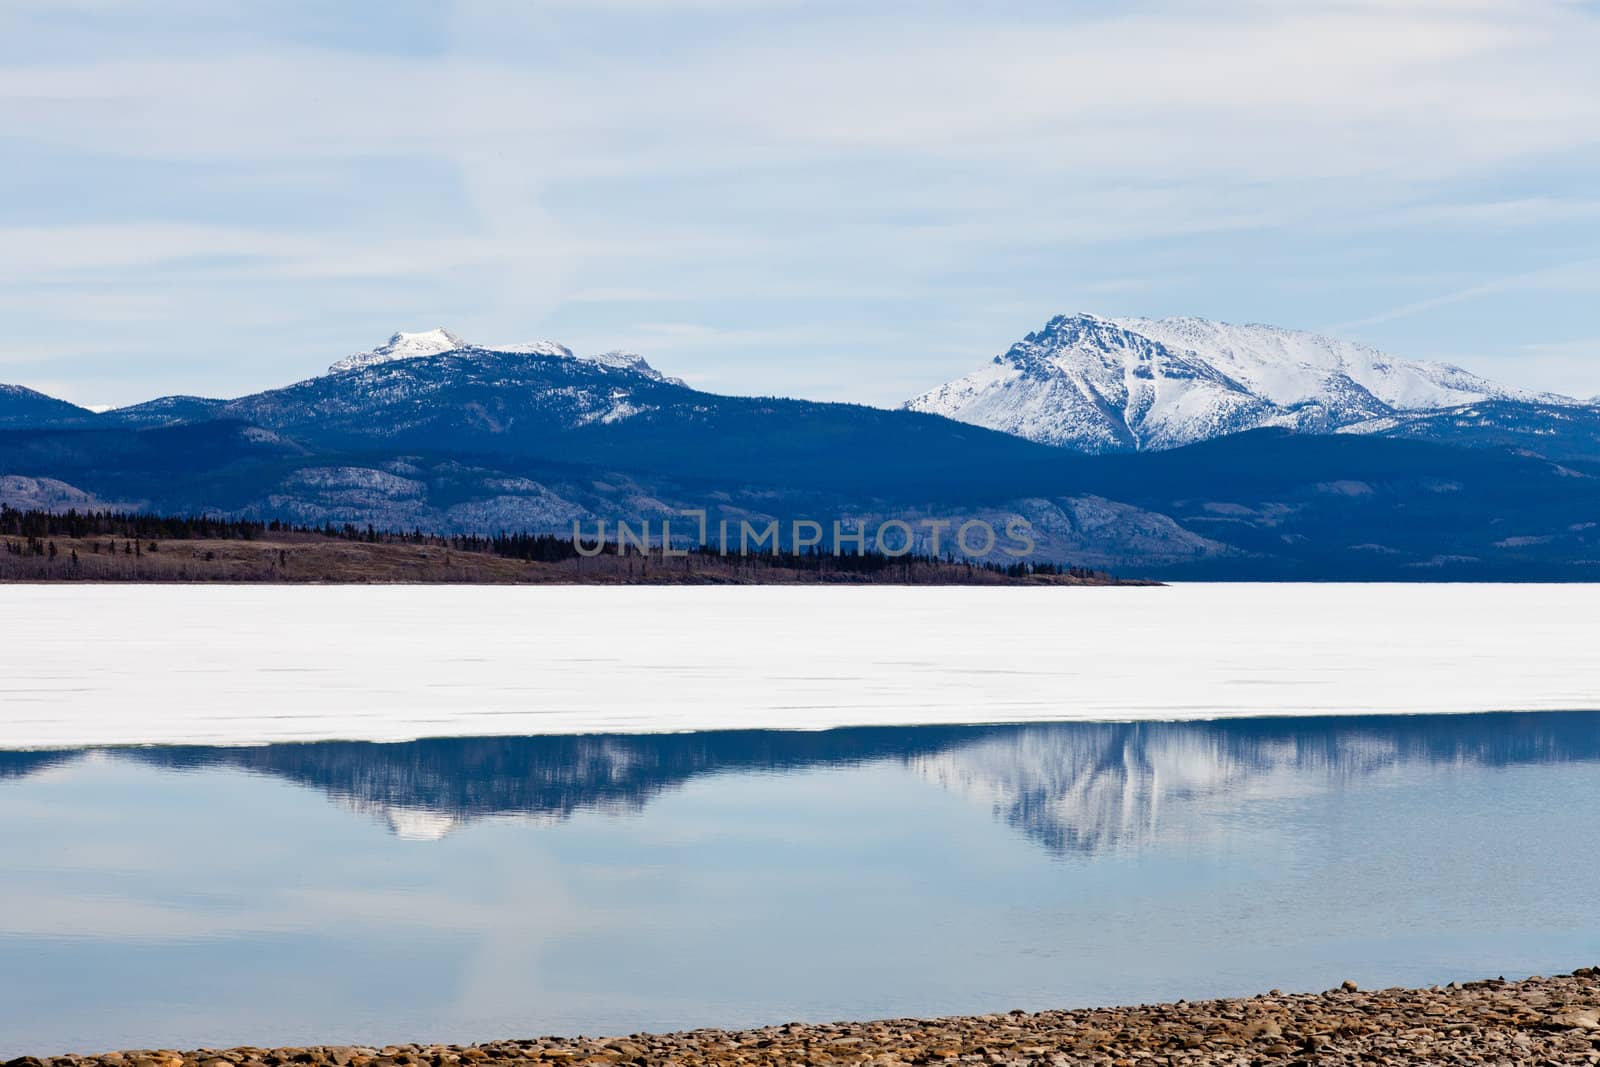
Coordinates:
<point>234,665</point>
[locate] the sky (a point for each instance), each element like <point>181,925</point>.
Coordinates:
<point>835,200</point>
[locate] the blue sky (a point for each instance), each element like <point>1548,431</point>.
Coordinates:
<point>843,201</point>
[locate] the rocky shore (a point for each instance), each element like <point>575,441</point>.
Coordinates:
<point>1541,1020</point>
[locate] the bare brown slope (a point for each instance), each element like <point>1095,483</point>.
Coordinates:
<point>312,558</point>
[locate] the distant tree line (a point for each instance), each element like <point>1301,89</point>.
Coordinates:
<point>126,525</point>
<point>31,532</point>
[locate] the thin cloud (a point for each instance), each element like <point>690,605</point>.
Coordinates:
<point>1582,274</point>
<point>522,171</point>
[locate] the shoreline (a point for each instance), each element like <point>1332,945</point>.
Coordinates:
<point>1261,718</point>
<point>609,729</point>
<point>1539,1019</point>
<point>309,559</point>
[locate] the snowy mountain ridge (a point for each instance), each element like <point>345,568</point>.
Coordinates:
<point>1122,385</point>
<point>440,341</point>
<point>402,345</point>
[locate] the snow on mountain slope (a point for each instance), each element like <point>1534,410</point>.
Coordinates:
<point>634,362</point>
<point>533,348</point>
<point>1088,383</point>
<point>1102,385</point>
<point>439,341</point>
<point>50,494</point>
<point>403,346</point>
<point>1292,366</point>
<point>166,411</point>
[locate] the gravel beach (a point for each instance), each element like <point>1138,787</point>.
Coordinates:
<point>1539,1020</point>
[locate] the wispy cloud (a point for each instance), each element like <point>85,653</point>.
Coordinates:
<point>515,170</point>
<point>1583,275</point>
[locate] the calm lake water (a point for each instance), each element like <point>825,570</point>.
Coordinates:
<point>476,888</point>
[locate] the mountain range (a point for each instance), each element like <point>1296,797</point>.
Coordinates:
<point>1167,448</point>
<point>1129,385</point>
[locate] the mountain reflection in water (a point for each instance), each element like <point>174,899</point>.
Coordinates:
<point>1072,787</point>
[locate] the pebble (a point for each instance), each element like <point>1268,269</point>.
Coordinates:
<point>1553,1020</point>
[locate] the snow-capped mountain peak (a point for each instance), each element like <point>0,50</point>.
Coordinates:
<point>535,348</point>
<point>632,361</point>
<point>1292,366</point>
<point>441,341</point>
<point>1112,385</point>
<point>402,345</point>
<point>1089,383</point>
